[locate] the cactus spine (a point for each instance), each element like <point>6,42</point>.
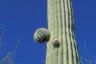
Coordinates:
<point>61,27</point>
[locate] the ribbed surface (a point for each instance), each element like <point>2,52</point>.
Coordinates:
<point>61,26</point>
<point>41,35</point>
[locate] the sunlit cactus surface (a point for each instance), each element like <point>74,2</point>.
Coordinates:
<point>61,46</point>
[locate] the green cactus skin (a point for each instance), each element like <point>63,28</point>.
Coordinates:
<point>61,26</point>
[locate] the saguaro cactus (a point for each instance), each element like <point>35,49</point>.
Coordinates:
<point>62,47</point>
<point>61,27</point>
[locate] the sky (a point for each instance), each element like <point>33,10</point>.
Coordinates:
<point>20,18</point>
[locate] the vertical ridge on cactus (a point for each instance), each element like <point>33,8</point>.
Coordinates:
<point>61,25</point>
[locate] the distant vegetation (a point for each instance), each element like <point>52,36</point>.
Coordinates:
<point>7,58</point>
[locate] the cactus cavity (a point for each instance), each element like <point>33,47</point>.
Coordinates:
<point>56,43</point>
<point>41,35</point>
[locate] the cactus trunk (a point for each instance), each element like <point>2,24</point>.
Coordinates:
<point>61,27</point>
